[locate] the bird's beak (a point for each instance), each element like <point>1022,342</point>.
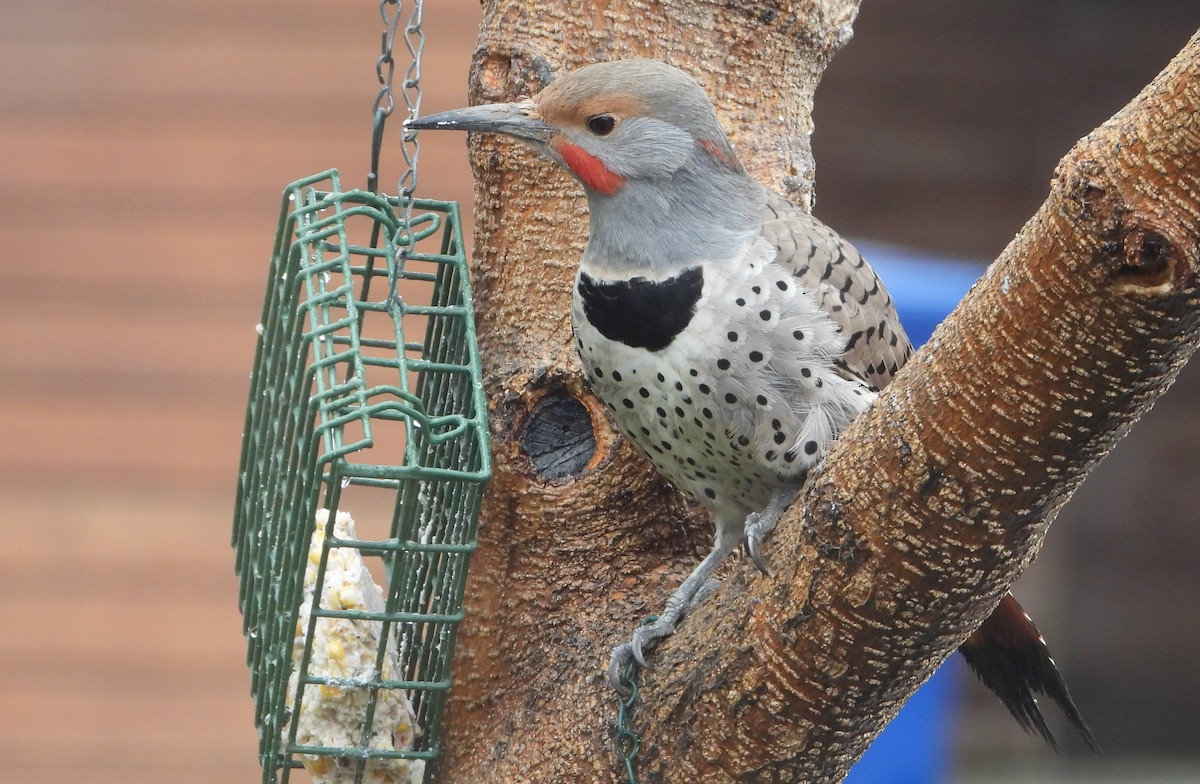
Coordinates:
<point>519,119</point>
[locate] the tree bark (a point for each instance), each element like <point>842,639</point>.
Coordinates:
<point>924,513</point>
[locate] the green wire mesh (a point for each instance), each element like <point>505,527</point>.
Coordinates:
<point>365,397</point>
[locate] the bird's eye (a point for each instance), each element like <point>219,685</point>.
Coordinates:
<point>601,124</point>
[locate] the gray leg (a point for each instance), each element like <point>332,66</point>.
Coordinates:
<point>700,583</point>
<point>698,586</point>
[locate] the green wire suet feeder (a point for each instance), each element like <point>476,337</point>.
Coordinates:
<point>365,399</point>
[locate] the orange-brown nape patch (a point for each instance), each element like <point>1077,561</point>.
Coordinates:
<point>590,169</point>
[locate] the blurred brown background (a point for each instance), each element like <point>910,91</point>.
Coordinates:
<point>144,145</point>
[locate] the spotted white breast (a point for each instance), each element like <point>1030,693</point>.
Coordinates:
<point>724,375</point>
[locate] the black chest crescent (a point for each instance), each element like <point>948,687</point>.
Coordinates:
<point>639,312</point>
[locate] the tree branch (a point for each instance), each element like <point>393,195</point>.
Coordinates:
<point>932,503</point>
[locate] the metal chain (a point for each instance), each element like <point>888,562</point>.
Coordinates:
<point>391,11</point>
<point>625,737</point>
<point>414,41</point>
<point>385,68</point>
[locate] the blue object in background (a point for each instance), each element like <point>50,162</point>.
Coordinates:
<point>925,287</point>
<point>915,747</point>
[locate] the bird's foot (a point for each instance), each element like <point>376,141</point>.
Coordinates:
<point>644,638</point>
<point>696,588</point>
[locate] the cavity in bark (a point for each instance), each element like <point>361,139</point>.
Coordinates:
<point>558,437</point>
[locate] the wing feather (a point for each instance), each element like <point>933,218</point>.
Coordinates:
<point>844,286</point>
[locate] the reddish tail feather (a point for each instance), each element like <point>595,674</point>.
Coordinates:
<point>1011,658</point>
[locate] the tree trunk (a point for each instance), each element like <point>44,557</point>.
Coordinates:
<point>927,509</point>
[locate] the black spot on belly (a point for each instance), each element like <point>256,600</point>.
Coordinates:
<point>642,313</point>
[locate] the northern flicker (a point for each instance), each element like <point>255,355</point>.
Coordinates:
<point>732,335</point>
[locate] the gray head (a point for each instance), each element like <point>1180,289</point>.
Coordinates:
<point>608,123</point>
<point>663,184</point>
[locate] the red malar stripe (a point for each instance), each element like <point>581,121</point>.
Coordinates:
<point>588,168</point>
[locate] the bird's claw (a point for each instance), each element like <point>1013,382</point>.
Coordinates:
<point>644,638</point>
<point>754,532</point>
<point>635,647</point>
<point>621,656</point>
